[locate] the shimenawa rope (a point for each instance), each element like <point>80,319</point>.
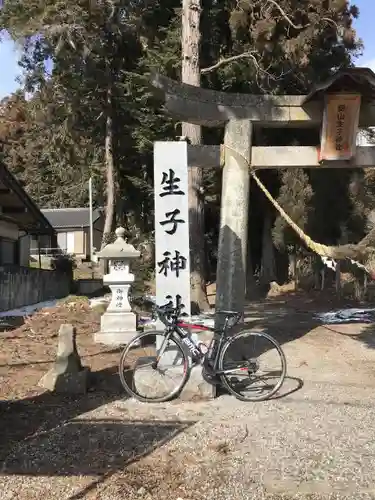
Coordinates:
<point>324,251</point>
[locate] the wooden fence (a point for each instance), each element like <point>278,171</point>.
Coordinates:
<point>23,286</point>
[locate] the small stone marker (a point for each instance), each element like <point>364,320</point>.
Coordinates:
<point>67,374</point>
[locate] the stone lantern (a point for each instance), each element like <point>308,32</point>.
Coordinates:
<point>118,323</point>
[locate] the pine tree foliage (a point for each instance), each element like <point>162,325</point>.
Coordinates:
<point>295,197</point>
<point>285,45</point>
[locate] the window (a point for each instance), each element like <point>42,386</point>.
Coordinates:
<point>9,252</point>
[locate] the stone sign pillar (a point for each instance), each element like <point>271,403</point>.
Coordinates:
<point>232,256</point>
<point>172,251</point>
<point>118,323</point>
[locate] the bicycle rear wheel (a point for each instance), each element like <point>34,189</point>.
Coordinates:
<point>241,363</point>
<point>147,378</point>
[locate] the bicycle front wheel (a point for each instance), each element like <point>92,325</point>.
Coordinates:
<point>252,366</point>
<point>154,369</point>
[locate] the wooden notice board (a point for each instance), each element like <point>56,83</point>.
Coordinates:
<point>340,126</point>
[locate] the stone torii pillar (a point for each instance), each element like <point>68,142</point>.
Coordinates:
<point>232,252</point>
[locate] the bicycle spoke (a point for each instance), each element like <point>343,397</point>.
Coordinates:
<point>154,374</point>
<point>256,377</point>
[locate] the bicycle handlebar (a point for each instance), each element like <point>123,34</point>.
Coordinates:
<point>169,314</point>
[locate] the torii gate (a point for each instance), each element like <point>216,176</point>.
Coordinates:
<point>239,113</point>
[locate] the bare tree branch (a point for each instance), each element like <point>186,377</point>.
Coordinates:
<point>299,26</point>
<point>284,14</point>
<point>244,55</point>
<point>330,21</point>
<point>251,54</point>
<point>222,62</point>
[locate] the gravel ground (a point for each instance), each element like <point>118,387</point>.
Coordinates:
<point>298,447</point>
<point>315,441</point>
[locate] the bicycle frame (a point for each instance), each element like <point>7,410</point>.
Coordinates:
<point>218,363</point>
<point>213,351</point>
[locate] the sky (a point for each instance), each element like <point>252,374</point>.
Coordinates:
<point>9,67</point>
<point>364,27</point>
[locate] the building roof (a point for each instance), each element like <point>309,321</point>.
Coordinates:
<point>351,79</point>
<point>61,218</point>
<point>17,206</point>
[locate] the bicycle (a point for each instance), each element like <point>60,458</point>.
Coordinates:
<point>216,360</point>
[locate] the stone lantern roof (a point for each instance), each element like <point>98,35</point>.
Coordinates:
<point>120,249</point>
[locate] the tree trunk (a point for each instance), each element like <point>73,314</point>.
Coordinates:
<point>251,291</point>
<point>293,274</point>
<point>268,269</point>
<point>338,280</point>
<point>191,11</point>
<point>109,171</point>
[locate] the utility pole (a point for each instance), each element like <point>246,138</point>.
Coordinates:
<point>91,222</point>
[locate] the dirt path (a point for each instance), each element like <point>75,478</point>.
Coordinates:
<point>316,441</point>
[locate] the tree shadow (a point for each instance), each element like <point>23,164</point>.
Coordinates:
<point>366,335</point>
<point>21,419</point>
<point>93,445</point>
<point>283,324</point>
<point>94,448</point>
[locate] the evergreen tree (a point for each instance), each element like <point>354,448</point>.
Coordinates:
<point>286,45</point>
<point>96,106</point>
<point>295,197</point>
<point>95,93</point>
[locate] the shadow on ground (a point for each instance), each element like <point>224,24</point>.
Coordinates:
<point>94,448</point>
<point>290,315</point>
<point>21,419</point>
<point>290,386</point>
<point>280,320</point>
<point>366,334</point>
<point>54,435</point>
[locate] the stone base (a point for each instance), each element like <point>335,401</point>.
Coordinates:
<point>114,338</point>
<point>118,321</point>
<point>68,383</point>
<point>116,328</point>
<point>196,388</point>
